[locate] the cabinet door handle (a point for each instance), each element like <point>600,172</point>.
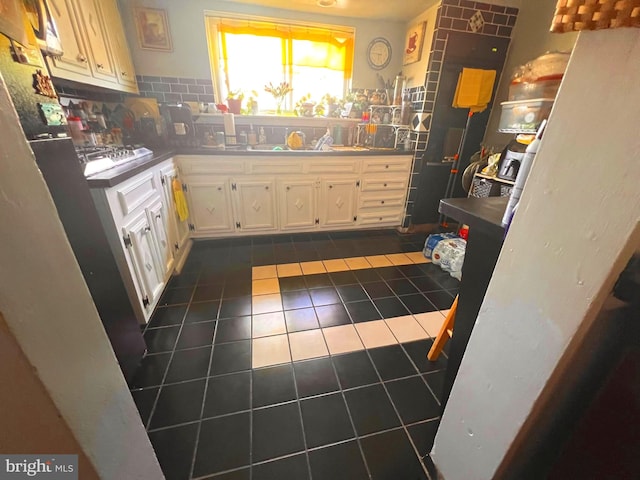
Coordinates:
<point>386,166</point>
<point>124,74</point>
<point>385,185</point>
<point>147,229</point>
<point>81,58</point>
<point>158,216</point>
<point>100,65</point>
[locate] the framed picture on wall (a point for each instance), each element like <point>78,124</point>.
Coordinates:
<point>153,29</point>
<point>413,43</point>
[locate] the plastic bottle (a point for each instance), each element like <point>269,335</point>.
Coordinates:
<point>262,138</point>
<point>523,173</point>
<point>252,138</point>
<point>75,129</point>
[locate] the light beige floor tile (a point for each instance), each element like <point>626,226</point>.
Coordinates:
<point>310,268</point>
<point>308,344</point>
<point>357,263</point>
<point>399,259</point>
<point>336,265</point>
<point>417,257</point>
<point>342,339</point>
<point>375,334</point>
<point>445,312</point>
<point>431,322</point>
<point>406,329</point>
<point>265,286</point>
<point>289,270</point>
<point>268,324</point>
<point>378,261</point>
<point>266,271</point>
<point>270,351</point>
<point>266,303</point>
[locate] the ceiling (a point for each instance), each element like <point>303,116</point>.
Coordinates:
<point>392,10</point>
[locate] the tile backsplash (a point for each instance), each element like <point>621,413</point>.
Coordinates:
<point>176,89</point>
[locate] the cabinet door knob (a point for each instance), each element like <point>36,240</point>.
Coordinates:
<point>288,188</point>
<point>124,74</point>
<point>219,189</point>
<point>147,228</point>
<point>267,187</point>
<point>385,185</point>
<point>100,65</point>
<point>158,216</point>
<point>82,58</point>
<point>330,186</point>
<point>382,202</point>
<point>386,166</point>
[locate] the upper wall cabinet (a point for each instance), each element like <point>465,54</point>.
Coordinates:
<point>95,49</point>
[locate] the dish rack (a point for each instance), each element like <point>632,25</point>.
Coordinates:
<point>382,127</point>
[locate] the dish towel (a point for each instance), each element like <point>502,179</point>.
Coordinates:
<point>179,201</point>
<point>474,89</point>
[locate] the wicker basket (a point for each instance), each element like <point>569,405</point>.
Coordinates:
<point>481,188</point>
<point>575,15</point>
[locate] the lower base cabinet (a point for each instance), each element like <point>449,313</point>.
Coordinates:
<point>147,238</point>
<point>235,195</point>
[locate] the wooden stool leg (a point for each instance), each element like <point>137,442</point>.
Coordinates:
<point>443,335</point>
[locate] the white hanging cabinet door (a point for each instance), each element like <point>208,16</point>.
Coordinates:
<point>297,204</point>
<point>256,204</point>
<point>160,226</point>
<point>75,58</point>
<point>141,245</point>
<point>210,206</point>
<point>338,201</point>
<point>98,43</point>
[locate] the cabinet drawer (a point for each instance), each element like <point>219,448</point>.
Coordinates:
<point>386,165</point>
<point>275,166</point>
<point>333,166</point>
<point>384,183</point>
<point>381,200</point>
<point>136,192</point>
<point>393,216</point>
<point>210,165</point>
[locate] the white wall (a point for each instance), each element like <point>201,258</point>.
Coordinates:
<point>190,57</point>
<point>531,38</point>
<point>416,72</point>
<point>48,309</point>
<point>577,225</point>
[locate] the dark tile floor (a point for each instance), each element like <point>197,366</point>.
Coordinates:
<point>366,414</point>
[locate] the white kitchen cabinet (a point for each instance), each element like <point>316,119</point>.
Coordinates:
<point>141,247</point>
<point>157,216</point>
<point>73,64</point>
<point>119,47</point>
<point>312,192</point>
<point>255,204</point>
<point>137,216</point>
<point>100,57</point>
<point>338,201</point>
<point>297,200</point>
<point>95,50</point>
<point>210,206</point>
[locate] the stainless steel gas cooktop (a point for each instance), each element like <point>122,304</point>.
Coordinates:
<point>96,159</point>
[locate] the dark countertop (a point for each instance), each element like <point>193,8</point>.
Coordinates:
<point>483,214</point>
<point>119,174</point>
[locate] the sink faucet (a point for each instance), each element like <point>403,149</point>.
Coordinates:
<point>286,137</point>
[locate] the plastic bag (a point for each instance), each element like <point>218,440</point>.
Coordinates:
<point>449,254</point>
<point>433,240</point>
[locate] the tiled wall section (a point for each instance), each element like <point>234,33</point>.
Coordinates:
<point>452,16</point>
<point>174,89</point>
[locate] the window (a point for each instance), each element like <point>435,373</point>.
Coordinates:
<point>248,54</point>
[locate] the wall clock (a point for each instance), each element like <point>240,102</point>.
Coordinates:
<point>379,53</point>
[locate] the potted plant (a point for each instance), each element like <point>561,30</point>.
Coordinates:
<point>304,106</point>
<point>234,100</point>
<point>251,107</point>
<point>332,105</point>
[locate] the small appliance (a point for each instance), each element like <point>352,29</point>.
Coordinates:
<point>510,160</point>
<point>96,159</point>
